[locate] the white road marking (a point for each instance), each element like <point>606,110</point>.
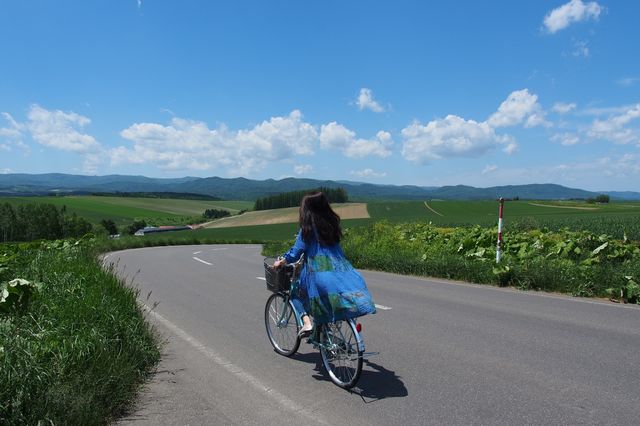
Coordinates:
<point>246,377</point>
<point>202,261</point>
<point>218,249</point>
<point>261,278</point>
<point>197,252</point>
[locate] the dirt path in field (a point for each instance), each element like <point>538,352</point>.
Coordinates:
<point>564,207</point>
<point>288,215</point>
<point>429,207</point>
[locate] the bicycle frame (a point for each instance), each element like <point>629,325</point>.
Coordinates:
<point>314,337</point>
<point>340,343</point>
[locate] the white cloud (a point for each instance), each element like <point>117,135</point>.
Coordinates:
<point>574,11</point>
<point>59,130</point>
<point>380,146</point>
<point>368,173</point>
<point>626,166</point>
<point>11,136</point>
<point>581,48</point>
<point>600,111</point>
<point>564,108</point>
<point>455,136</point>
<point>334,135</point>
<point>616,128</point>
<point>182,145</point>
<point>280,137</point>
<point>5,171</point>
<point>365,101</point>
<point>511,148</point>
<point>303,169</point>
<point>627,81</point>
<point>92,161</point>
<point>519,107</point>
<point>489,168</point>
<point>617,172</point>
<point>191,145</point>
<point>566,139</point>
<point>337,136</point>
<point>14,131</point>
<point>452,136</point>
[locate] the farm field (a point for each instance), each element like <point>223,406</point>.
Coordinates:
<point>617,218</point>
<point>124,210</point>
<point>286,215</point>
<point>478,212</point>
<point>605,218</point>
<point>254,233</point>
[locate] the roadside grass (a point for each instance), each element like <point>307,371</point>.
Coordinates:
<point>577,263</point>
<point>77,352</point>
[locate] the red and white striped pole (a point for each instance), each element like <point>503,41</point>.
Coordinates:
<point>499,248</point>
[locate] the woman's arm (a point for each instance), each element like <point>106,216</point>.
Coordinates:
<point>294,252</point>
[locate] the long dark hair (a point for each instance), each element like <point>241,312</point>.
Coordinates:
<point>315,210</point>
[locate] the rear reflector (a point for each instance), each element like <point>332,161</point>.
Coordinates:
<point>359,327</point>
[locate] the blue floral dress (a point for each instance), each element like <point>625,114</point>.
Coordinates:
<point>329,286</point>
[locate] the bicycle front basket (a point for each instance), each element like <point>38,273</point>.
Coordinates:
<point>277,279</point>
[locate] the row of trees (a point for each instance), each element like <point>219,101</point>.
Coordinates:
<point>602,198</point>
<point>39,221</point>
<point>112,229</point>
<point>215,213</point>
<point>293,198</point>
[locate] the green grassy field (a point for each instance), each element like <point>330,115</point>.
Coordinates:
<point>480,212</point>
<point>614,218</point>
<point>618,218</point>
<point>124,210</point>
<point>256,233</point>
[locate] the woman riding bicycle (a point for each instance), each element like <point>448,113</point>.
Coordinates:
<point>329,288</point>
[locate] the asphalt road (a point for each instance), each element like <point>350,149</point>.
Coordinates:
<point>449,353</point>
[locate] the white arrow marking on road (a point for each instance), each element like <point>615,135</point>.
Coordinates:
<point>202,261</point>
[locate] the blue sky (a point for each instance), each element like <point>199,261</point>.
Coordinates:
<point>422,93</point>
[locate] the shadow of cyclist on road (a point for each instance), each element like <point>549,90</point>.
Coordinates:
<point>376,382</point>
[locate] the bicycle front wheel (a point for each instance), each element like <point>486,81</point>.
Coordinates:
<point>341,355</point>
<point>282,326</point>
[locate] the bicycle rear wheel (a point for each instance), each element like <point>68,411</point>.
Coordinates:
<point>281,323</point>
<point>341,354</point>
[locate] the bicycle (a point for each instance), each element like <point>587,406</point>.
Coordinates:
<point>340,343</point>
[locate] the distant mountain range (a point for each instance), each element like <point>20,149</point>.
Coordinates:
<point>247,189</point>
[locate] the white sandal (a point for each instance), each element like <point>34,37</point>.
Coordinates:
<point>305,330</point>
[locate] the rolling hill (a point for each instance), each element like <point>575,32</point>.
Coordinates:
<point>248,189</point>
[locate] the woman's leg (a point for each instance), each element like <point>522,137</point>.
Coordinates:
<point>297,303</point>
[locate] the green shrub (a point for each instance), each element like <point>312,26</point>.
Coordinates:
<point>578,263</point>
